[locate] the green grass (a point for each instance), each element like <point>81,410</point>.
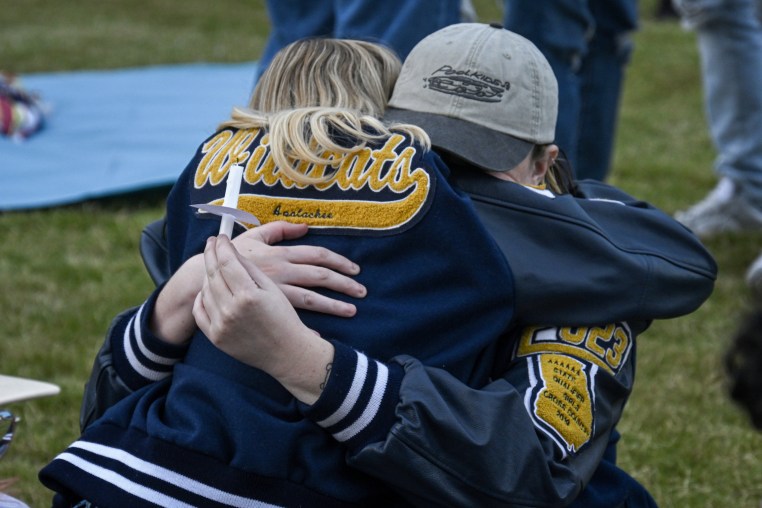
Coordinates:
<point>44,35</point>
<point>65,272</point>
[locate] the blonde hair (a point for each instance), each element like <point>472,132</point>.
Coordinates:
<point>321,100</point>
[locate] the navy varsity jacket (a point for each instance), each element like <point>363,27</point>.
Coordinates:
<point>529,454</point>
<point>218,429</point>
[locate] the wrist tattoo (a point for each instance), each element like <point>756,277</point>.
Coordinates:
<point>328,368</point>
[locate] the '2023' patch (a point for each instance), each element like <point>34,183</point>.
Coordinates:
<point>563,365</point>
<point>377,189</point>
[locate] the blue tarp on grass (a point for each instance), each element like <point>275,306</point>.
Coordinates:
<point>111,132</point>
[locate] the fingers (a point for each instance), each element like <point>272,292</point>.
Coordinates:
<point>310,276</point>
<point>255,274</point>
<point>295,269</point>
<point>301,265</point>
<point>274,232</point>
<point>200,314</point>
<point>224,269</point>
<point>305,299</point>
<point>320,256</point>
<point>207,304</point>
<point>225,276</point>
<point>303,276</point>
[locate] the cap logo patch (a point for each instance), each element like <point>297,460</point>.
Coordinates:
<point>468,84</point>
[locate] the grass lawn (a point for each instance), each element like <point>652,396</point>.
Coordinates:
<point>65,272</point>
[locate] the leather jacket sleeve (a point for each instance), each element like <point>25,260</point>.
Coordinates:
<point>534,436</point>
<point>104,388</point>
<point>599,257</point>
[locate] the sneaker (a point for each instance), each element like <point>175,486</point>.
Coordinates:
<point>754,277</point>
<point>721,211</point>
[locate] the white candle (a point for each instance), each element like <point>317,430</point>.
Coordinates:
<point>232,190</point>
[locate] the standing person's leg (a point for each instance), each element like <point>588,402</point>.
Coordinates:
<point>729,36</point>
<point>291,20</point>
<point>665,10</point>
<point>400,24</point>
<point>601,76</point>
<point>561,29</point>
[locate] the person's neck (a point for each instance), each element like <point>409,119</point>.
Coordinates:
<point>504,175</point>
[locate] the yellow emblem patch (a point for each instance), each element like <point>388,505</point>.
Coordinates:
<point>561,400</point>
<point>563,364</point>
<point>375,189</point>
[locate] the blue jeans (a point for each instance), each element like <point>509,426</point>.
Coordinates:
<point>400,24</point>
<point>588,45</point>
<point>729,34</point>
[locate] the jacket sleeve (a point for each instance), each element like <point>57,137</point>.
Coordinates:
<point>104,388</point>
<point>599,257</point>
<point>131,357</point>
<point>532,437</point>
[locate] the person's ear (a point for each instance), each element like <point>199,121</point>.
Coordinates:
<point>542,165</point>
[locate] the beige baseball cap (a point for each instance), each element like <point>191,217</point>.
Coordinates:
<point>16,389</point>
<point>481,92</point>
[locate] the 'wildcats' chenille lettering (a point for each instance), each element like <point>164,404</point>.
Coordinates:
<point>371,189</point>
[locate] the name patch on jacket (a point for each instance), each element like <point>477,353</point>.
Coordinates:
<point>561,399</point>
<point>379,188</point>
<point>563,363</point>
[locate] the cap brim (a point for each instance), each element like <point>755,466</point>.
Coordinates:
<point>15,389</point>
<point>483,147</point>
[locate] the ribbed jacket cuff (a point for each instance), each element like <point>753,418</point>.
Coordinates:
<point>358,403</point>
<point>141,358</point>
